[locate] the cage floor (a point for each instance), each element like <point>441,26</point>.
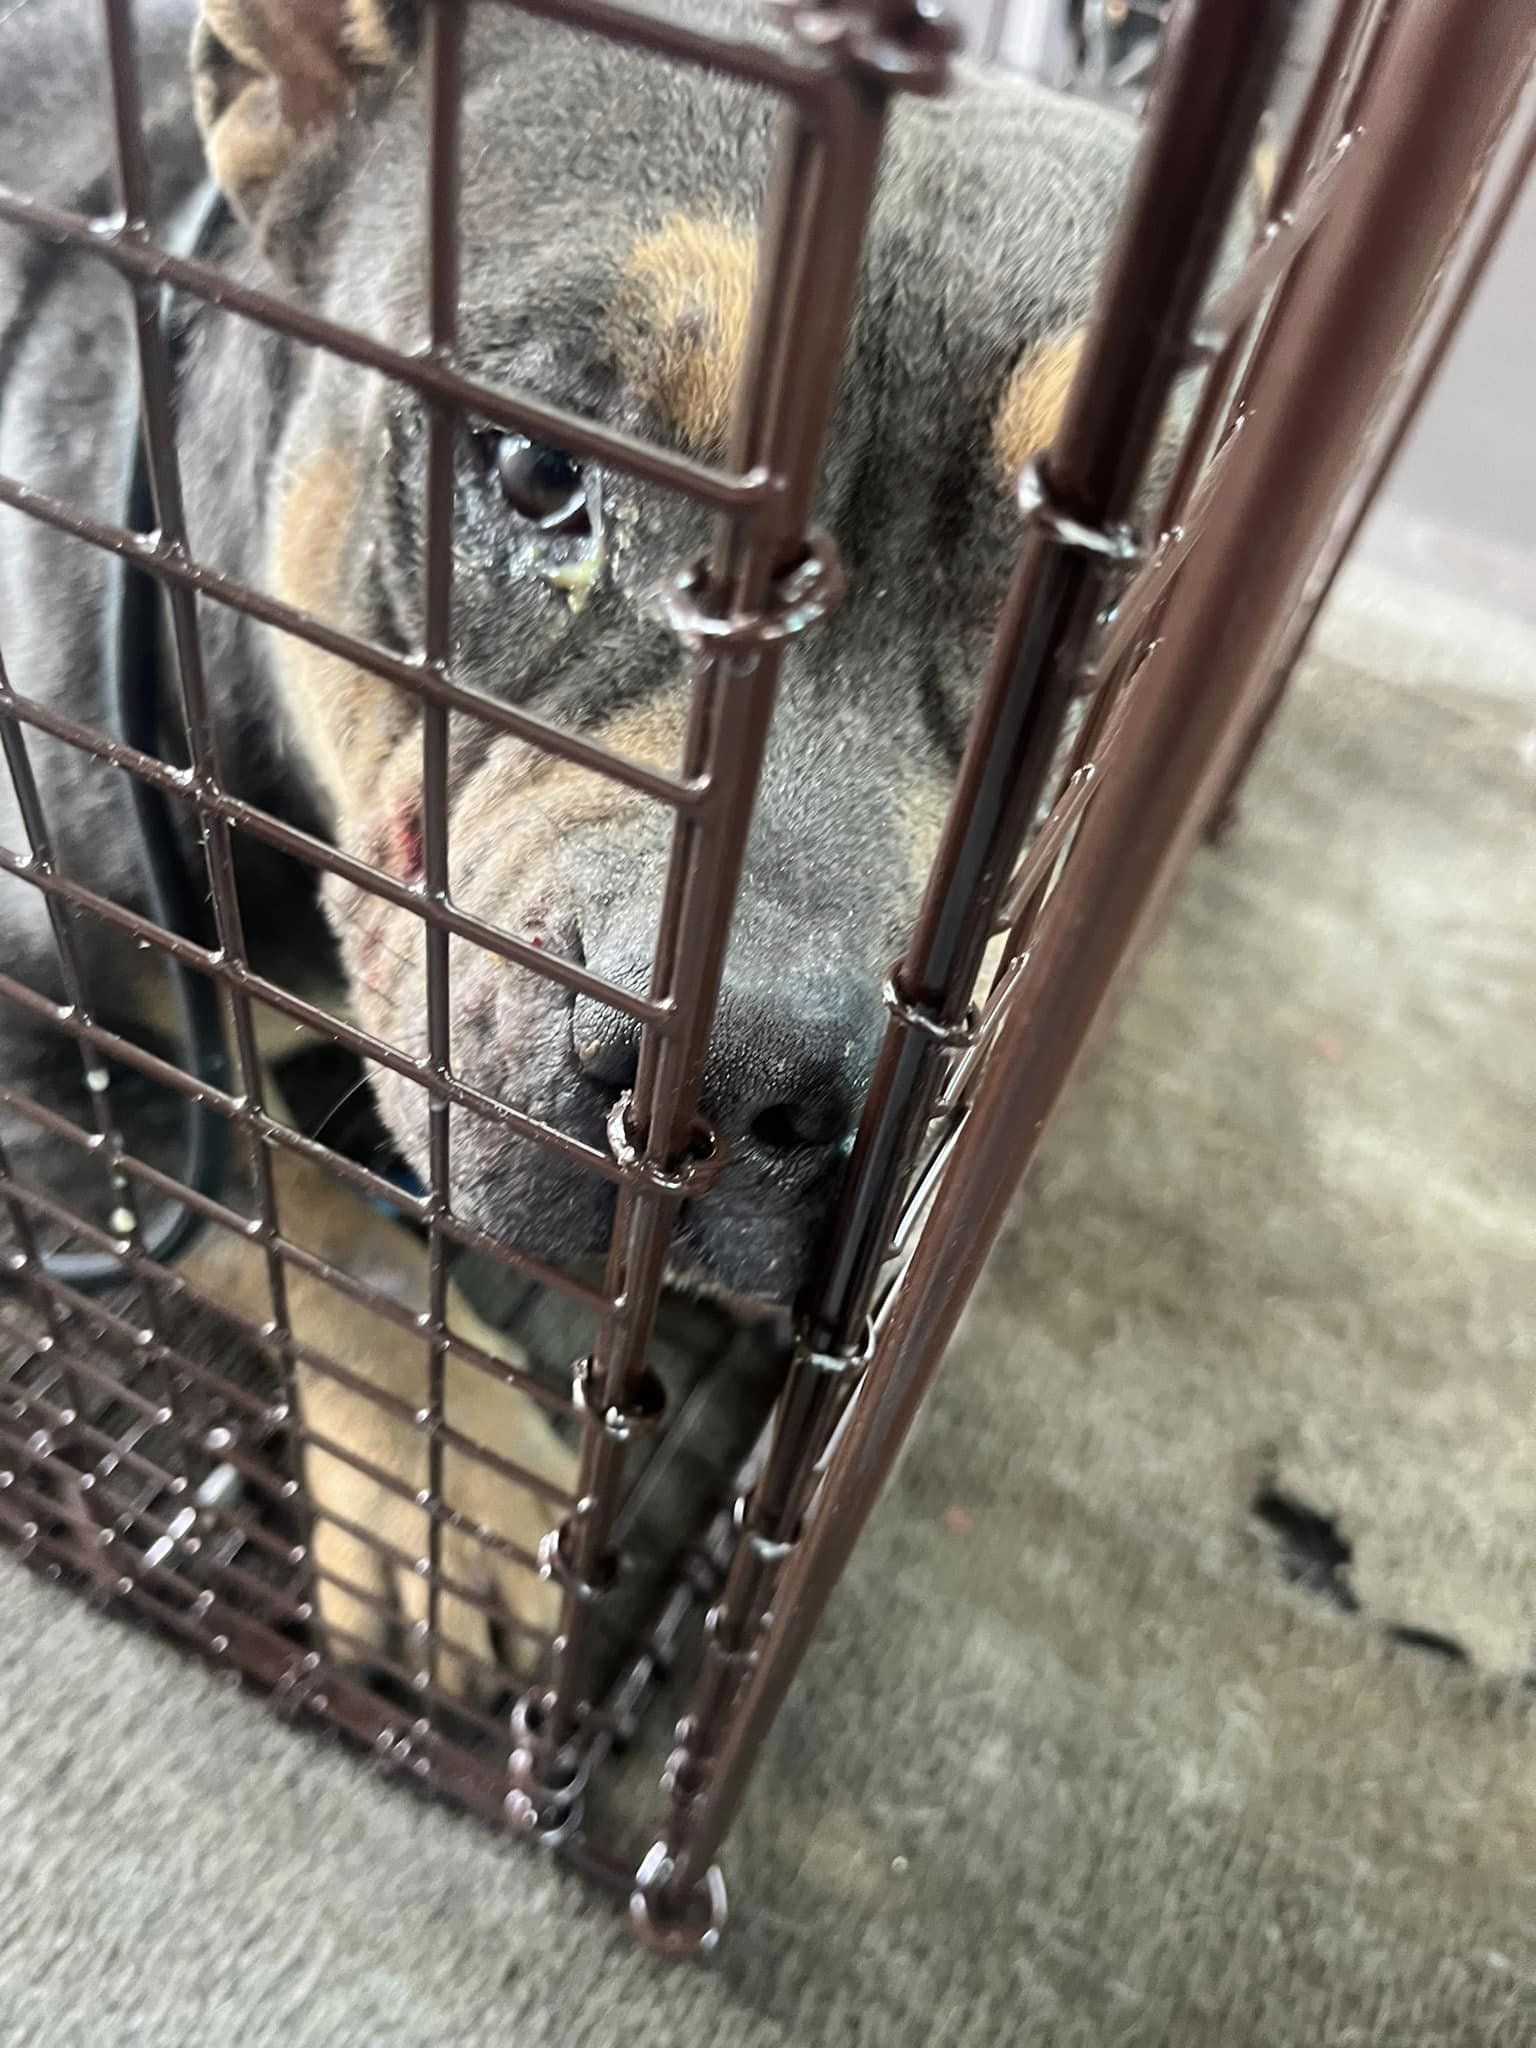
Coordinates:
<point>171,1502</point>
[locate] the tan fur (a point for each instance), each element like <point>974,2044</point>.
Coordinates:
<point>351,727</point>
<point>680,324</point>
<point>349,722</point>
<point>507,816</point>
<point>248,147</point>
<point>296,44</point>
<point>368,36</point>
<point>650,731</point>
<point>1034,399</point>
<point>327,1218</point>
<point>285,67</point>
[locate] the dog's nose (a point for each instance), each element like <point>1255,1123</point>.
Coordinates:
<point>783,1080</point>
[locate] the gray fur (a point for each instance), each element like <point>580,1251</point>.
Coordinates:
<point>994,209</point>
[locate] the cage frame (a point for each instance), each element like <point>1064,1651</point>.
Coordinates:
<point>1171,653</point>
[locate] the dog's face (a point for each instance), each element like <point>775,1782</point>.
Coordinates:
<point>607,264</point>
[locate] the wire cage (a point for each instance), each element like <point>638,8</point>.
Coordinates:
<point>182,1481</point>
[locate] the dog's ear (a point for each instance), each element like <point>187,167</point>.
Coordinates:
<point>272,76</point>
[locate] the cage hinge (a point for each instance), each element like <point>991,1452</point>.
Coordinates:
<point>1037,500</point>
<point>910,55</point>
<point>736,1656</point>
<point>694,1929</point>
<point>954,1033</point>
<point>557,1563</point>
<point>625,1421</point>
<point>690,1174</point>
<point>766,1547</point>
<point>548,1793</point>
<point>799,597</point>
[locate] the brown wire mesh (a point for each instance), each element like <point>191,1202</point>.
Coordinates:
<point>173,1485</point>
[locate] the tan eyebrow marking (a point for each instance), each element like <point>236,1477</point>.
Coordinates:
<point>1033,400</point>
<point>680,323</point>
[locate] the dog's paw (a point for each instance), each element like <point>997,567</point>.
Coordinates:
<point>375,1499</point>
<point>382,1514</point>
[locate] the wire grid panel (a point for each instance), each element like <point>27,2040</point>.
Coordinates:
<point>1223,358</point>
<point>1125,681</point>
<point>137,1455</point>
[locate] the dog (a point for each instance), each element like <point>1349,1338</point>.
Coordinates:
<point>608,263</point>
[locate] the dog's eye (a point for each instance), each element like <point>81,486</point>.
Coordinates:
<point>541,484</point>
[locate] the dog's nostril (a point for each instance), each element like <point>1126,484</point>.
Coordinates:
<point>796,1126</point>
<point>783,1076</point>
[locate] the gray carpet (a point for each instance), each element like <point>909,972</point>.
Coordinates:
<point>1091,1752</point>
